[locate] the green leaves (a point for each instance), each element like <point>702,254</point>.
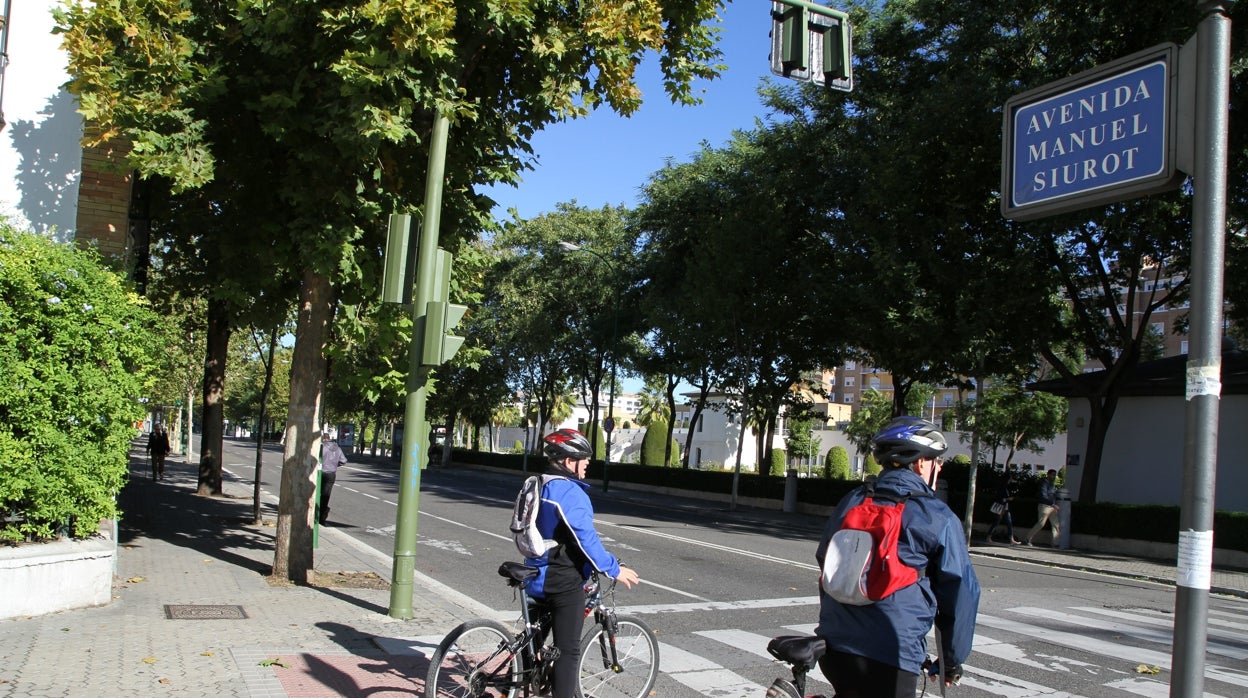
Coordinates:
<point>75,344</point>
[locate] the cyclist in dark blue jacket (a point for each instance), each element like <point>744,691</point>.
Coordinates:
<point>566,516</point>
<point>879,649</point>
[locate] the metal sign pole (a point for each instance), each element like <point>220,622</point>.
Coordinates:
<point>1204,363</point>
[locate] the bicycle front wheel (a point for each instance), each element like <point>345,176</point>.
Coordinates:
<point>474,661</point>
<point>623,664</point>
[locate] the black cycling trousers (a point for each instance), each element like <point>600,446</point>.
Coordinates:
<point>858,677</point>
<point>569,621</point>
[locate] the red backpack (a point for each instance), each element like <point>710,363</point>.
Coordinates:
<point>861,565</point>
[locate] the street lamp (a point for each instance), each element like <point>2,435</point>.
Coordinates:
<point>609,425</point>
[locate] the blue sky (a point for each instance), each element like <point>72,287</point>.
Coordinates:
<point>605,159</point>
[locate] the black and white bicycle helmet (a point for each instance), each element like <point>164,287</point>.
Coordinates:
<point>907,439</point>
<point>566,443</point>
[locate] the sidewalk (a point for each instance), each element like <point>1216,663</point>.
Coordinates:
<point>242,636</point>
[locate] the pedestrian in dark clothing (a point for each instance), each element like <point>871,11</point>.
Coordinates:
<point>158,447</point>
<point>1001,507</point>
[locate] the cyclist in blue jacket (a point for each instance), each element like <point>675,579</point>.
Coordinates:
<point>566,516</point>
<point>879,649</point>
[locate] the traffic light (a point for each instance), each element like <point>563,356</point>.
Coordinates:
<point>441,316</point>
<point>399,261</point>
<point>811,43</point>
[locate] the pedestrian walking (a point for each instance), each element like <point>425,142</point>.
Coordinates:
<point>158,447</point>
<point>1046,509</point>
<point>331,457</point>
<point>1001,507</point>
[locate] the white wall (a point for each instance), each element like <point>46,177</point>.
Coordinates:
<point>1142,462</point>
<point>40,147</point>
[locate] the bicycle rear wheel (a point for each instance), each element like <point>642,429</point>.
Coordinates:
<point>474,661</point>
<point>637,654</point>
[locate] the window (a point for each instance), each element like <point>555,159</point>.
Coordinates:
<point>1159,328</point>
<point>875,382</point>
<point>849,381</point>
<point>851,365</point>
<point>948,400</point>
<point>1183,347</point>
<point>849,399</point>
<point>701,418</point>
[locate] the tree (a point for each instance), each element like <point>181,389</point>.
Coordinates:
<point>329,108</point>
<point>801,443</point>
<point>874,410</point>
<point>1009,416</point>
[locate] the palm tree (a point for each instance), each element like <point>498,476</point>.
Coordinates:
<point>653,402</point>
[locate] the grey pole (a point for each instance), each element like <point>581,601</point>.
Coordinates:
<point>1204,363</point>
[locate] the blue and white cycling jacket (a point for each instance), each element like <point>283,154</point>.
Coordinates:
<point>567,516</point>
<point>893,629</point>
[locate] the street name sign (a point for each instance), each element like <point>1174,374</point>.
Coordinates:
<point>1104,135</point>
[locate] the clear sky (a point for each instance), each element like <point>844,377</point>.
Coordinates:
<point>605,159</point>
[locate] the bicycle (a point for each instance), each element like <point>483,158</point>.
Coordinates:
<point>801,653</point>
<point>483,658</point>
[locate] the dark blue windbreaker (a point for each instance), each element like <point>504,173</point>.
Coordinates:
<point>892,630</point>
<point>567,517</point>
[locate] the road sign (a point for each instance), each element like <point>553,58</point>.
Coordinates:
<point>1101,136</point>
<point>608,425</point>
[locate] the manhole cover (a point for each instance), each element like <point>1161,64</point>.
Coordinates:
<point>190,612</point>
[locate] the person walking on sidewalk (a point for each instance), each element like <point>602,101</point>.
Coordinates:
<point>331,457</point>
<point>878,650</point>
<point>158,446</point>
<point>566,516</point>
<point>1001,507</point>
<point>1046,509</point>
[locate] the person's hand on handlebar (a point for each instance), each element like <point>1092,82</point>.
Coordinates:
<point>628,577</point>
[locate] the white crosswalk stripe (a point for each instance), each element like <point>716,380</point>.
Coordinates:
<point>1087,651</point>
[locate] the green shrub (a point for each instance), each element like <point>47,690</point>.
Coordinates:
<point>836,464</point>
<point>652,448</point>
<point>871,467</point>
<point>778,462</point>
<point>76,345</point>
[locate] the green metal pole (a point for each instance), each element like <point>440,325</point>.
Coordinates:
<point>415,426</point>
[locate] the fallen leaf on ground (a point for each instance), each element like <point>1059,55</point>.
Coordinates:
<point>1146,669</point>
<point>274,662</point>
<point>135,580</point>
<point>149,660</point>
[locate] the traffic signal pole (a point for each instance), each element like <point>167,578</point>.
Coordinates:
<point>415,425</point>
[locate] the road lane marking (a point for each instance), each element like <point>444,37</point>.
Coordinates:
<point>743,605</point>
<point>704,676</point>
<point>712,546</point>
<point>1120,652</point>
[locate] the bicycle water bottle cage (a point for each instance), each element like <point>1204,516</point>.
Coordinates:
<point>802,651</point>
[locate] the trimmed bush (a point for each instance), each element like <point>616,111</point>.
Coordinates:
<point>652,448</point>
<point>778,462</point>
<point>870,466</point>
<point>836,464</point>
<point>76,344</point>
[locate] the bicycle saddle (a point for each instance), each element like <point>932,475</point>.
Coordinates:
<point>517,572</point>
<point>802,651</point>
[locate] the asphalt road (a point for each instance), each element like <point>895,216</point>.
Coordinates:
<point>717,584</point>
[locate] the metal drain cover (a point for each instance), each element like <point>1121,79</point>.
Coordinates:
<point>191,612</point>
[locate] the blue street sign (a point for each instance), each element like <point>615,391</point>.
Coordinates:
<point>1104,135</point>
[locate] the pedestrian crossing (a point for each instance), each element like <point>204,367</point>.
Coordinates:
<point>1018,652</point>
